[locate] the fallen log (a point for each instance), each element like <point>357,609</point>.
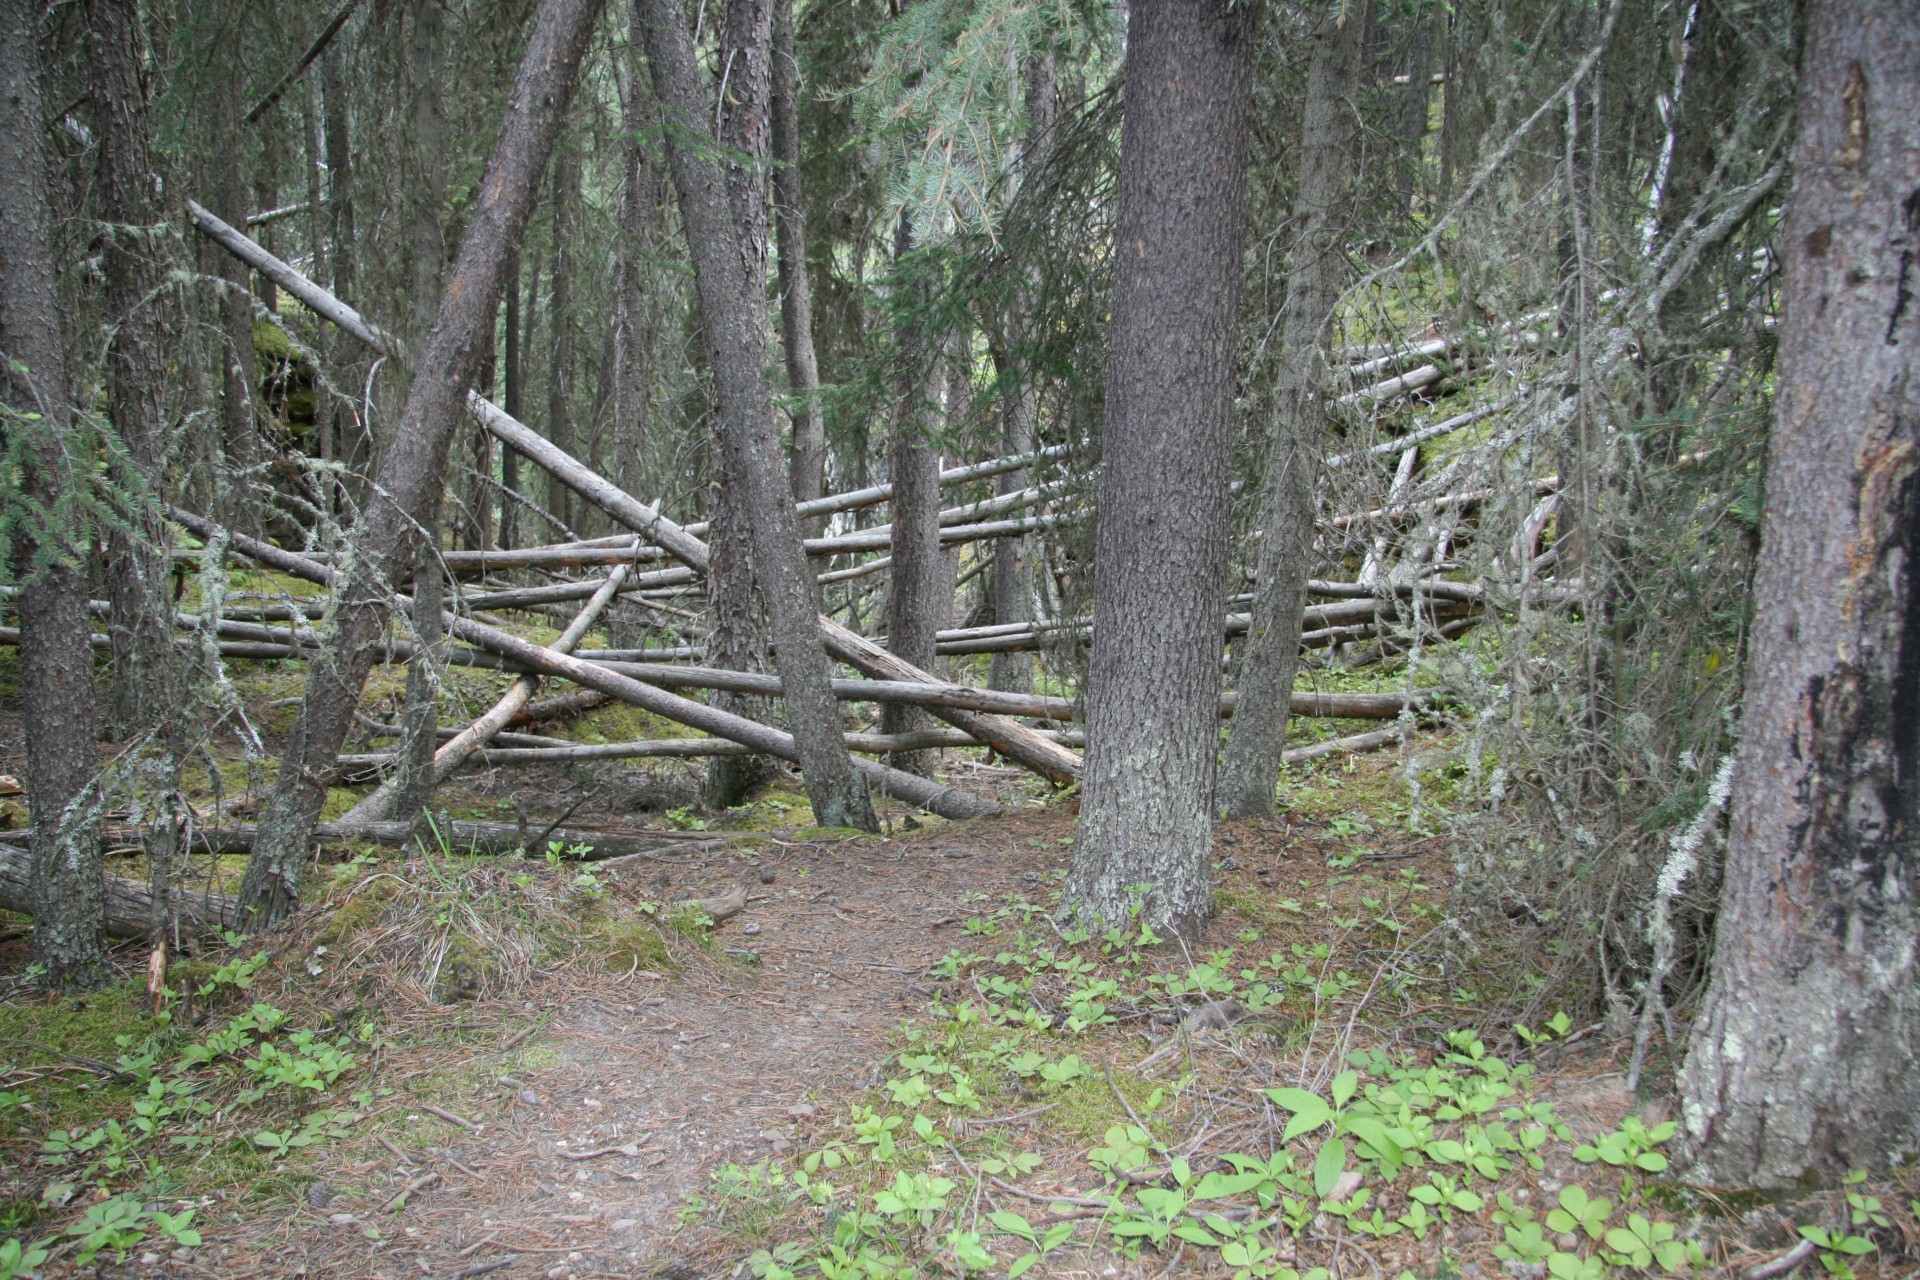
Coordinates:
<point>492,838</point>
<point>1020,745</point>
<point>1045,758</point>
<point>129,906</point>
<point>947,802</point>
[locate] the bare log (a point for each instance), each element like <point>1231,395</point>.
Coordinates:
<point>129,912</point>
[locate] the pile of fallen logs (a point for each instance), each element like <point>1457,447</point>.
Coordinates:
<point>658,567</point>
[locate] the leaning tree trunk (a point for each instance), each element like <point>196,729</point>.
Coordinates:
<point>1267,659</point>
<point>1161,548</point>
<point>730,276</point>
<point>1805,1060</point>
<point>56,654</point>
<point>807,460</point>
<point>383,541</point>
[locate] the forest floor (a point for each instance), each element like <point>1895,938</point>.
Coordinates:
<point>891,1061</point>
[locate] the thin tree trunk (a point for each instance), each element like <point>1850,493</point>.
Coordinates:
<point>566,191</point>
<point>1012,578</point>
<point>1413,114</point>
<point>515,395</point>
<point>1146,815</point>
<point>145,689</point>
<point>353,443</point>
<point>729,274</point>
<point>56,655</point>
<point>1268,657</point>
<point>413,464</point>
<point>913,598</point>
<point>238,372</point>
<point>634,310</point>
<point>1805,1059</point>
<point>807,461</point>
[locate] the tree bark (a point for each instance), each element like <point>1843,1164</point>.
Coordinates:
<point>56,655</point>
<point>145,689</point>
<point>514,398</point>
<point>1269,656</point>
<point>1146,814</point>
<point>413,464</point>
<point>1012,579</point>
<point>729,275</point>
<point>913,596</point>
<point>1805,1060</point>
<point>239,374</point>
<point>353,443</point>
<point>807,459</point>
<point>566,193</point>
<point>127,905</point>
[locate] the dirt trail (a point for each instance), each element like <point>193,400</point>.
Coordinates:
<point>582,1167</point>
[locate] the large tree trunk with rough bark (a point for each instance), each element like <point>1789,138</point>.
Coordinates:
<point>730,276</point>
<point>1805,1060</point>
<point>56,654</point>
<point>1160,554</point>
<point>412,467</point>
<point>1268,657</point>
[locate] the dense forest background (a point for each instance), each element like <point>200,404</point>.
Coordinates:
<point>1161,397</point>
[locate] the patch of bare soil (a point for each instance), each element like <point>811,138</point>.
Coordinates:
<point>580,1165</point>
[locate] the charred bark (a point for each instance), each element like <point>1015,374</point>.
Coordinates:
<point>1805,1060</point>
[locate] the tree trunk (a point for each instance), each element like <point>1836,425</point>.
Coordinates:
<point>807,460</point>
<point>914,606</point>
<point>514,398</point>
<point>353,442</point>
<point>736,638</point>
<point>238,372</point>
<point>729,273</point>
<point>1012,579</point>
<point>1805,1060</point>
<point>127,905</point>
<point>566,192</point>
<point>1268,657</point>
<point>1146,814</point>
<point>413,464</point>
<point>1413,114</point>
<point>633,347</point>
<point>145,689</point>
<point>56,655</point>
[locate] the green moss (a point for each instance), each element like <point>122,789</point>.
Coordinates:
<point>270,342</point>
<point>87,1028</point>
<point>626,944</point>
<point>465,971</point>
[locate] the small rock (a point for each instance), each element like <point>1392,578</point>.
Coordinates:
<point>1567,1240</point>
<point>766,875</point>
<point>749,928</point>
<point>342,1218</point>
<point>1525,1270</point>
<point>529,1097</point>
<point>319,1195</point>
<point>800,1110</point>
<point>149,1259</point>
